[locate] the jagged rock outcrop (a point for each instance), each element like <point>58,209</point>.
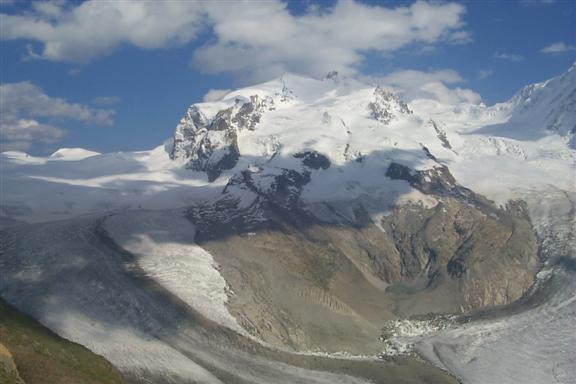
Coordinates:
<point>313,159</point>
<point>441,134</point>
<point>211,145</point>
<point>387,106</point>
<point>251,200</point>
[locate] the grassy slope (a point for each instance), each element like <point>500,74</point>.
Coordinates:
<point>8,372</point>
<point>43,357</point>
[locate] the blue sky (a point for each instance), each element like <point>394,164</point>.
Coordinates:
<point>118,75</point>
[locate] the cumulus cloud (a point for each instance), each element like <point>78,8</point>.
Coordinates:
<point>29,115</point>
<point>412,84</point>
<point>508,56</point>
<point>257,40</point>
<point>559,47</point>
<point>21,133</point>
<point>446,95</point>
<point>94,28</point>
<point>264,39</point>
<point>215,94</point>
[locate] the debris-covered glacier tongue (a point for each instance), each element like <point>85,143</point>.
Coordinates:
<point>307,217</point>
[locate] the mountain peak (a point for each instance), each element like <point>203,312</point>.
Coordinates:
<point>548,105</point>
<point>72,154</point>
<point>287,116</point>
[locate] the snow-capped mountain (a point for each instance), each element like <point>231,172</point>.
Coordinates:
<point>366,208</point>
<point>540,109</point>
<point>340,130</point>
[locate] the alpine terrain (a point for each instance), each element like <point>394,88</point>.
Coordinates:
<point>311,231</point>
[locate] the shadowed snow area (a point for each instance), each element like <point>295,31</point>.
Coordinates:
<point>162,243</point>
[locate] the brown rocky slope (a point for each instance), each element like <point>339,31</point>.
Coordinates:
<point>308,283</point>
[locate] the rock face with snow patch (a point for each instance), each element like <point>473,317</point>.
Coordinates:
<point>386,106</point>
<point>339,168</point>
<point>313,159</point>
<point>211,145</point>
<point>460,253</point>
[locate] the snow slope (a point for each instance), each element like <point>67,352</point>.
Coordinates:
<point>47,188</point>
<point>73,154</point>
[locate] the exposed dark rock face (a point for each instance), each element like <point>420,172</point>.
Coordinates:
<point>187,132</point>
<point>353,155</point>
<point>437,180</point>
<point>249,114</point>
<point>386,106</point>
<point>459,245</point>
<point>441,135</point>
<point>252,201</point>
<point>456,268</point>
<point>211,145</point>
<point>283,191</point>
<point>313,159</point>
<point>287,187</point>
<point>216,152</point>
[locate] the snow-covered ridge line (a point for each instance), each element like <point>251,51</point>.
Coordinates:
<point>355,129</point>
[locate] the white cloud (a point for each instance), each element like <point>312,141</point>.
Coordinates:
<point>461,37</point>
<point>215,94</point>
<point>559,47</point>
<point>29,115</point>
<point>261,40</point>
<point>446,95</point>
<point>412,84</point>
<point>485,73</point>
<point>257,40</point>
<point>508,56</point>
<point>30,130</point>
<point>95,28</point>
